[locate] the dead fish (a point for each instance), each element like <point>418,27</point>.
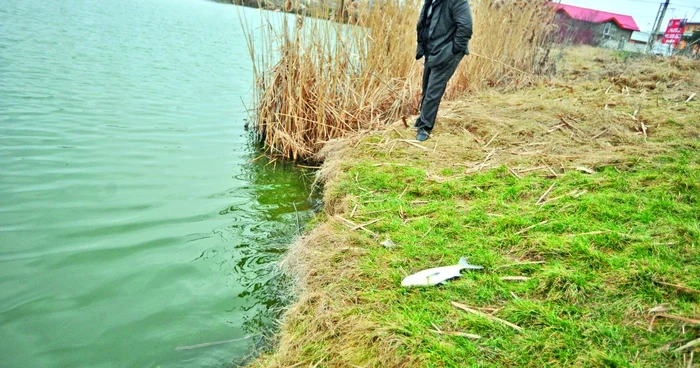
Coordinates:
<point>438,275</point>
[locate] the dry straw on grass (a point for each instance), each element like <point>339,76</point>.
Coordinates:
<point>318,80</point>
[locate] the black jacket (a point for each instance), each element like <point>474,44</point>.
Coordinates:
<point>448,33</point>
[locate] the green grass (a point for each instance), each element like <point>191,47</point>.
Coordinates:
<point>627,55</point>
<point>610,240</point>
<point>587,305</point>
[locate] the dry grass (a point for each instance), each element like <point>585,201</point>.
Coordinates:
<point>602,108</point>
<point>319,80</point>
<point>342,318</point>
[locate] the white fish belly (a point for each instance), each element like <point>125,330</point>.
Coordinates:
<point>432,276</point>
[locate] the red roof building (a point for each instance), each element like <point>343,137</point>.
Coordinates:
<point>597,16</point>
<point>595,27</point>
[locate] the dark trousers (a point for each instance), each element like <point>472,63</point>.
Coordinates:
<point>434,84</point>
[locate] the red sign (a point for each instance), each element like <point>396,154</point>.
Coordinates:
<point>674,32</point>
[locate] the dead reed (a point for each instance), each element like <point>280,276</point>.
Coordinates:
<point>318,80</point>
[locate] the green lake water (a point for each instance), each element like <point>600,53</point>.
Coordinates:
<point>133,219</point>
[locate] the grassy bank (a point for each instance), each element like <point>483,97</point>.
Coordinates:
<point>580,195</point>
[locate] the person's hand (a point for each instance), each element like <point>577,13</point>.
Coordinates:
<point>419,52</point>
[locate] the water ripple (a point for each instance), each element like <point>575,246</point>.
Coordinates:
<point>131,218</point>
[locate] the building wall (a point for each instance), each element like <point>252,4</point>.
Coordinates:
<point>618,33</point>
<point>615,38</point>
<point>635,47</point>
<point>577,32</point>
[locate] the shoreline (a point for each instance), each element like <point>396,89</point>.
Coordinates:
<point>479,187</point>
<point>278,6</point>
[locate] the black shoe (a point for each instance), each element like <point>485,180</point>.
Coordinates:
<point>423,135</point>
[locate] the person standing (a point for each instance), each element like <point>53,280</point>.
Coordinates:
<point>444,30</point>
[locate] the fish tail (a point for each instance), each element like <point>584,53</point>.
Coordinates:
<point>465,264</point>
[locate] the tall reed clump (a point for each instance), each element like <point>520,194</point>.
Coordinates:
<point>317,80</point>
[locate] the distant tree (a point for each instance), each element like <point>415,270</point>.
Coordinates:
<point>694,38</point>
<point>577,32</point>
<point>692,43</point>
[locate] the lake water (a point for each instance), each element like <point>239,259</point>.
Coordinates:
<point>133,218</point>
